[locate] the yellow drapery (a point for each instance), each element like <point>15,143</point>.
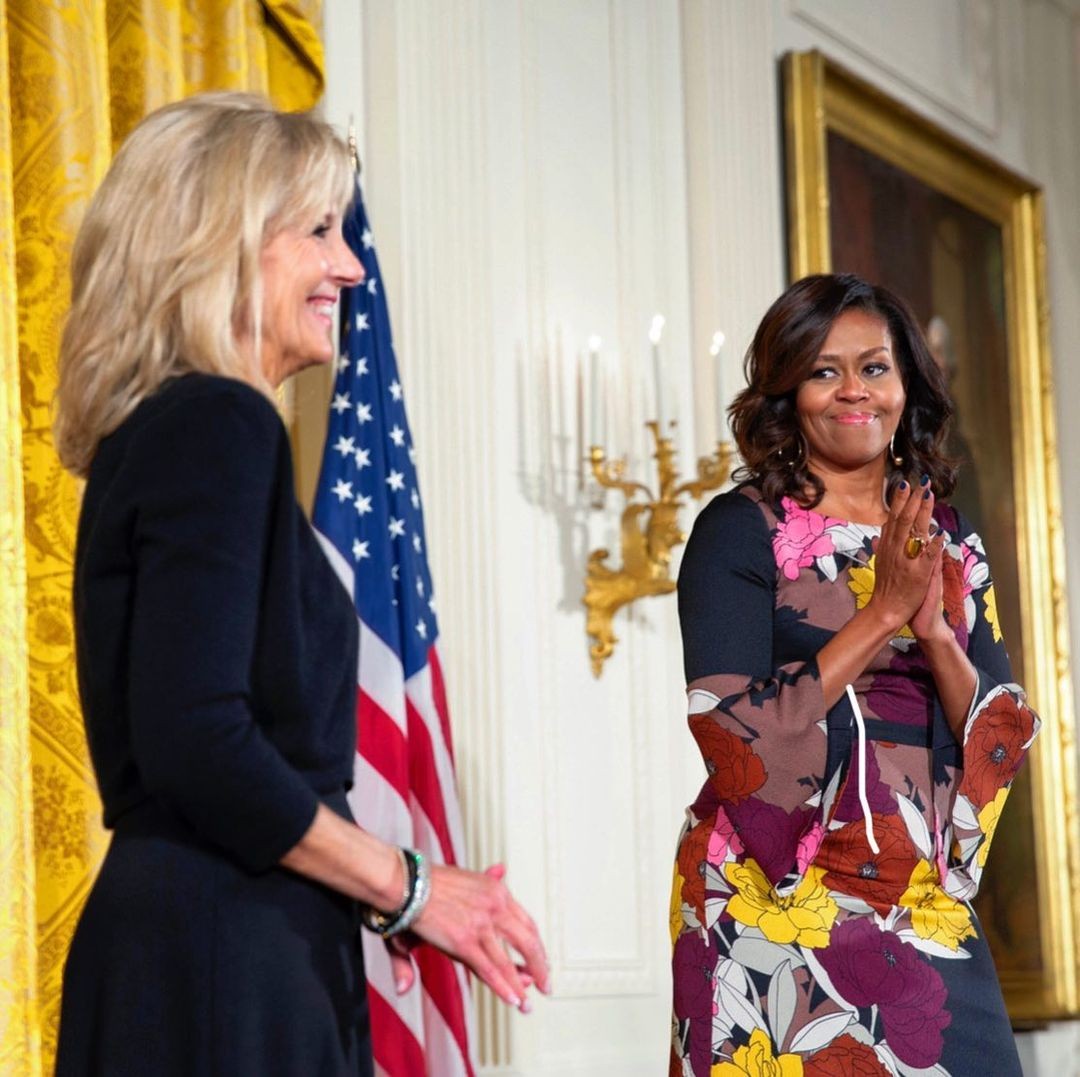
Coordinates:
<point>75,76</point>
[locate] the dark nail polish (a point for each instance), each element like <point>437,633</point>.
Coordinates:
<point>924,480</point>
<point>926,496</point>
<point>903,485</point>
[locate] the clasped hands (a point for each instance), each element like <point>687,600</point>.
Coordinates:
<point>908,575</point>
<point>471,916</point>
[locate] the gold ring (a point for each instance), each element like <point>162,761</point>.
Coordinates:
<point>914,546</point>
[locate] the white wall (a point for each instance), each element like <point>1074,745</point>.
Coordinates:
<point>539,170</point>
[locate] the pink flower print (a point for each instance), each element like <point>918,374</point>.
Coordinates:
<point>722,838</point>
<point>968,560</point>
<point>800,537</point>
<point>808,847</point>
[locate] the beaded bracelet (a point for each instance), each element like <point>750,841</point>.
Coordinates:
<point>417,892</point>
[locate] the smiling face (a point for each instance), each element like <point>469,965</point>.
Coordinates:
<point>303,269</point>
<point>851,403</point>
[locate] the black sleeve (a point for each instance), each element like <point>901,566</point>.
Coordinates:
<point>761,725</point>
<point>209,473</point>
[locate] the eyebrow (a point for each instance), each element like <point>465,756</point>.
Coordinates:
<point>862,355</point>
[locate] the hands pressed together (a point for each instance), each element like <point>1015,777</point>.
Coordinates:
<point>472,917</point>
<point>908,575</point>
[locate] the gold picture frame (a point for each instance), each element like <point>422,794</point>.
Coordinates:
<point>905,203</point>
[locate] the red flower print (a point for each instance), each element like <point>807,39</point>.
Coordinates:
<point>952,594</point>
<point>800,537</point>
<point>734,771</point>
<point>844,1057</point>
<point>871,967</point>
<point>692,852</point>
<point>994,750</point>
<point>853,868</point>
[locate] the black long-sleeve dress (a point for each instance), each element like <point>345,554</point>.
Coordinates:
<point>217,658</point>
<point>820,910</point>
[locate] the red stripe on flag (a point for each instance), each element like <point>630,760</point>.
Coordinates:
<point>438,693</point>
<point>424,780</point>
<point>380,741</point>
<point>444,989</point>
<point>395,1048</point>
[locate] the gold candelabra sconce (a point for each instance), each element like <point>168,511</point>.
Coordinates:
<point>649,531</point>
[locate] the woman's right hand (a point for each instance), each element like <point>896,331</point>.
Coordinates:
<point>901,582</point>
<point>470,915</point>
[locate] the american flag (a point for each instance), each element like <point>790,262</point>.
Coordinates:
<point>369,518</point>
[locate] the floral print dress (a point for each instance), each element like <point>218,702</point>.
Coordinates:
<point>820,910</point>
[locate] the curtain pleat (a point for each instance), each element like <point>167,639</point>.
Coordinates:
<point>82,73</point>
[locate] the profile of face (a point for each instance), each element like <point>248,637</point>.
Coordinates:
<point>303,270</point>
<point>852,401</point>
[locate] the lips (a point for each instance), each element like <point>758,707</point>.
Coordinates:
<point>323,305</point>
<point>855,418</point>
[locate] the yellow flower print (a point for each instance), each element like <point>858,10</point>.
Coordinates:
<point>989,818</point>
<point>805,917</point>
<point>935,915</point>
<point>675,920</point>
<point>756,1059</point>
<point>990,600</point>
<point>861,582</point>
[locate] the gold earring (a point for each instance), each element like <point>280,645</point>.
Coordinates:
<point>897,459</point>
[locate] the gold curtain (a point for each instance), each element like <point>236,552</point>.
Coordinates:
<point>75,76</point>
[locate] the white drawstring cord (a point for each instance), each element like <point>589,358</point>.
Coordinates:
<point>860,725</point>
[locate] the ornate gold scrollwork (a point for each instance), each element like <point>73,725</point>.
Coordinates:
<point>649,532</point>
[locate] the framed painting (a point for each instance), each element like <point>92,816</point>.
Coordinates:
<point>875,189</point>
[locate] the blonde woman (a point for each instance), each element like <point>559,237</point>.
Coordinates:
<point>216,649</point>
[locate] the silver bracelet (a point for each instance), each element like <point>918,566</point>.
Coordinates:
<point>421,893</point>
<point>417,891</point>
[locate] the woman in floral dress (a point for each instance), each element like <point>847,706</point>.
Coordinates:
<point>852,699</point>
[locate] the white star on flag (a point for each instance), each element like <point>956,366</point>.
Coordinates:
<point>431,604</point>
<point>361,520</point>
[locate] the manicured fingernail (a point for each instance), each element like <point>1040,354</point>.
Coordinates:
<point>402,986</point>
<point>514,1001</point>
<point>525,1007</point>
<point>926,496</point>
<point>924,480</point>
<point>903,484</point>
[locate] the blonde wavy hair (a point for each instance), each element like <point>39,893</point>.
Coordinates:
<point>165,270</point>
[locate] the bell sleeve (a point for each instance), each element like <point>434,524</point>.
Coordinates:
<point>212,475</point>
<point>760,723</point>
<point>1000,726</point>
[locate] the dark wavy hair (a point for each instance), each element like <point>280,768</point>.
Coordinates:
<point>764,420</point>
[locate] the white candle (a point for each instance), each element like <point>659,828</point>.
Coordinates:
<point>594,389</point>
<point>655,330</point>
<point>715,350</point>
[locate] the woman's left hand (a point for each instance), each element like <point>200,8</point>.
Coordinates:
<point>929,620</point>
